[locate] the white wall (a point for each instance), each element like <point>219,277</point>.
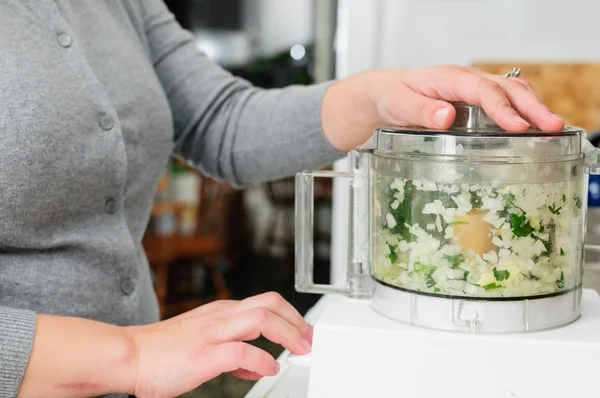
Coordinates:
<point>415,33</point>
<point>279,24</point>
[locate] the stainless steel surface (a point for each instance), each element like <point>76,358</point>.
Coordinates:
<point>471,117</point>
<point>324,40</point>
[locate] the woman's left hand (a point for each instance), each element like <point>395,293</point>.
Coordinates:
<point>353,107</point>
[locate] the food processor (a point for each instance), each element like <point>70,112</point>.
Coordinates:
<point>465,266</point>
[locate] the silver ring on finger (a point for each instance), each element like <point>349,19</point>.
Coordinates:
<point>514,72</point>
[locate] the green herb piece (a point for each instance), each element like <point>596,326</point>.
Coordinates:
<point>562,252</point>
<point>458,223</point>
<point>510,200</point>
<point>436,290</point>
<point>561,282</point>
<point>501,275</point>
<point>542,229</point>
<point>402,214</point>
<point>533,277</point>
<point>465,277</point>
<point>454,260</point>
<point>554,210</point>
<point>430,281</point>
<point>547,246</point>
<point>430,139</point>
<point>501,225</point>
<point>428,269</point>
<point>577,202</point>
<point>564,198</point>
<point>475,200</point>
<point>491,286</point>
<point>393,256</point>
<point>520,226</point>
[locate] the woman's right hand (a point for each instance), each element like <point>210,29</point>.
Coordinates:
<point>177,355</point>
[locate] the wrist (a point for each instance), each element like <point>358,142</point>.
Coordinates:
<point>349,110</point>
<point>127,359</point>
<point>74,357</point>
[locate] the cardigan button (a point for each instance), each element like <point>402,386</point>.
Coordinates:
<point>106,122</point>
<point>65,40</point>
<point>111,206</point>
<point>127,286</point>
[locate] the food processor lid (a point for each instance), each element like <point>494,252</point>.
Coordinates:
<point>474,135</point>
<point>472,119</point>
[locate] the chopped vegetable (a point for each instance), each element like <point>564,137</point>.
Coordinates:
<point>533,277</point>
<point>393,256</point>
<point>561,282</point>
<point>491,286</point>
<point>430,281</point>
<point>554,210</point>
<point>420,267</point>
<point>520,226</point>
<point>528,227</point>
<point>430,139</point>
<point>454,260</point>
<point>501,275</point>
<point>547,246</point>
<point>475,200</point>
<point>510,200</point>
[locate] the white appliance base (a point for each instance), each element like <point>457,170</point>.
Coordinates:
<point>358,353</point>
<point>470,315</point>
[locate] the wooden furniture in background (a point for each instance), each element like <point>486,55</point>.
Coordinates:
<point>281,195</point>
<point>570,90</point>
<point>207,244</point>
<point>163,252</point>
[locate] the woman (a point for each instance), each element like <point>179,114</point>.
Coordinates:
<point>95,96</point>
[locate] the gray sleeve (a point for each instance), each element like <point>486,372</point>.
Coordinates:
<point>17,328</point>
<point>223,125</point>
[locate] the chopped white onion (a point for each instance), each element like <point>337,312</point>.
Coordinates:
<point>391,221</point>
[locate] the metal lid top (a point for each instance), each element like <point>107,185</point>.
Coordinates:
<point>472,118</point>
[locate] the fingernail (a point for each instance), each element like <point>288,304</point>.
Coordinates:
<point>440,116</point>
<point>521,120</point>
<point>306,346</point>
<point>554,115</point>
<point>309,333</point>
<point>277,367</point>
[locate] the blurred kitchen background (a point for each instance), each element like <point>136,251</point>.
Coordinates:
<point>207,241</point>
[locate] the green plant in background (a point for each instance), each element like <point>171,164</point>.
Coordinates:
<point>279,70</point>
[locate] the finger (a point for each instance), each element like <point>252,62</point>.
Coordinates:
<point>231,357</point>
<point>529,104</point>
<point>459,84</point>
<point>409,108</point>
<point>251,324</point>
<point>246,375</point>
<point>492,98</point>
<point>277,305</point>
<point>500,79</point>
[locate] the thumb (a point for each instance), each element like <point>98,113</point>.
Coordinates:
<point>409,108</point>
